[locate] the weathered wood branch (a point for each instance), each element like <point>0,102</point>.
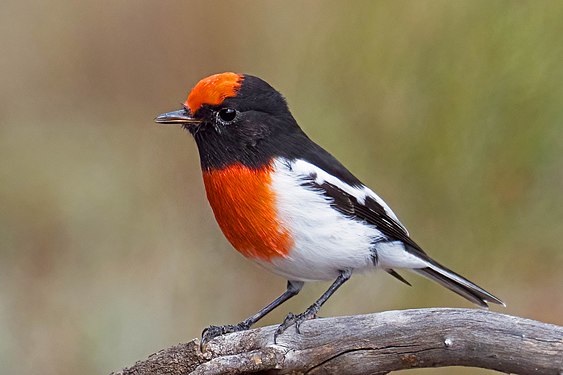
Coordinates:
<point>373,344</point>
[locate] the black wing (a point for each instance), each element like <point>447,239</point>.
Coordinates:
<point>374,213</point>
<point>370,211</point>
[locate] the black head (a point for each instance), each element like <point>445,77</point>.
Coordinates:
<point>237,119</point>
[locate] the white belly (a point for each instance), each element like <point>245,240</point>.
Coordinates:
<point>324,240</point>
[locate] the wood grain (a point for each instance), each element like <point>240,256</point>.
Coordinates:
<point>373,344</point>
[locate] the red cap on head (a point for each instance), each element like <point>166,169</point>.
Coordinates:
<point>213,90</point>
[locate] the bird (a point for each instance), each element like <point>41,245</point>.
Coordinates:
<point>287,204</point>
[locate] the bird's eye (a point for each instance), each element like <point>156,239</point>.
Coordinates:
<point>227,114</point>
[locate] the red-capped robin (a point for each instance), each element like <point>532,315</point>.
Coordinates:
<point>290,206</point>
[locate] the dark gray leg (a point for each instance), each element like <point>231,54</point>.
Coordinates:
<point>293,288</point>
<point>296,320</point>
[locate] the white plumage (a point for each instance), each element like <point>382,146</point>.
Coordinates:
<point>327,241</point>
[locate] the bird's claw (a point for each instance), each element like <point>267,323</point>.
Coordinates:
<point>211,332</point>
<point>297,320</point>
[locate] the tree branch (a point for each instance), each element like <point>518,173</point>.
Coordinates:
<point>375,344</point>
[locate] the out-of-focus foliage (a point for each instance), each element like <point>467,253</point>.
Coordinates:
<point>452,111</point>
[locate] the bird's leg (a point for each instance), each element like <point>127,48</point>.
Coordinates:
<point>311,312</point>
<point>293,288</point>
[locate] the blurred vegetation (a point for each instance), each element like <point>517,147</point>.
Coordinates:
<point>452,111</point>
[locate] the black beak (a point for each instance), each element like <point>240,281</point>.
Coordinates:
<point>181,117</point>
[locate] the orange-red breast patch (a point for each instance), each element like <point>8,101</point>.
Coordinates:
<point>244,207</point>
<point>213,90</point>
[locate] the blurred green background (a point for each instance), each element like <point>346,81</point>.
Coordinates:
<point>452,111</point>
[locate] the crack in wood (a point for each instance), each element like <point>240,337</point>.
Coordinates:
<point>375,343</point>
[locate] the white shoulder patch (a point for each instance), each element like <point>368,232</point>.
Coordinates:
<point>306,169</point>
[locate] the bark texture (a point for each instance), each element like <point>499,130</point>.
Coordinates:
<point>373,344</point>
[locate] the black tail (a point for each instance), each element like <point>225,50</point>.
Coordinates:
<point>458,284</point>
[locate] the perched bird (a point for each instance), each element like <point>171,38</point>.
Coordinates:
<point>284,202</point>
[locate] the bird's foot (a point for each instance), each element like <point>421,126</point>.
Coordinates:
<point>297,320</point>
<point>211,332</point>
